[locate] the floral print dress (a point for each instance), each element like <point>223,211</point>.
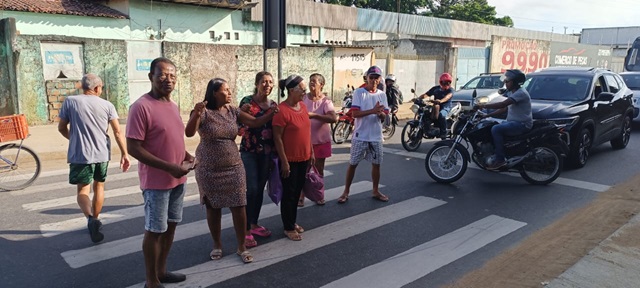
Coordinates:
<point>256,140</point>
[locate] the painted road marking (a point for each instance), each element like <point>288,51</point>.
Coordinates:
<point>212,272</point>
<point>421,260</point>
<point>559,181</point>
<point>113,249</point>
<point>47,204</point>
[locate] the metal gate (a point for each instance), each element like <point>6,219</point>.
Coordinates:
<point>471,62</point>
<point>139,57</point>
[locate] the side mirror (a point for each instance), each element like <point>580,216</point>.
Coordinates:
<point>474,94</point>
<point>413,90</point>
<point>605,97</point>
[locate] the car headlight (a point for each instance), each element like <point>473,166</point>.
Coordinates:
<point>415,108</point>
<point>566,122</point>
<point>482,100</point>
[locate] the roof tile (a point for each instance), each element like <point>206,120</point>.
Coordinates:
<point>68,7</point>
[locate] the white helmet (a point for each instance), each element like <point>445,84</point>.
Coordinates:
<point>391,77</point>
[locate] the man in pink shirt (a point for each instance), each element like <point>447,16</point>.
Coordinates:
<point>155,136</point>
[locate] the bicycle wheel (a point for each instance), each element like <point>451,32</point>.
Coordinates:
<point>19,167</point>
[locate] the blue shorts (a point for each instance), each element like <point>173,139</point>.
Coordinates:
<point>161,207</point>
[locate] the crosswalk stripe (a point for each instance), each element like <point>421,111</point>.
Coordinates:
<point>212,272</point>
<point>57,172</point>
<point>80,223</point>
<point>113,249</point>
<point>421,260</point>
<point>76,224</point>
<point>73,199</point>
<point>559,181</point>
<point>65,184</point>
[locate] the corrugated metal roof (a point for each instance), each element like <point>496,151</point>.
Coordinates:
<point>68,7</point>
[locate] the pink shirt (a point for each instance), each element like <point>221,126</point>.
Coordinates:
<point>320,131</point>
<point>159,126</point>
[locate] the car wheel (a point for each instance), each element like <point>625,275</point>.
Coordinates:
<point>622,140</point>
<point>581,149</point>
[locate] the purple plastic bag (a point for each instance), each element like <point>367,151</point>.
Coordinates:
<point>275,184</point>
<point>313,185</point>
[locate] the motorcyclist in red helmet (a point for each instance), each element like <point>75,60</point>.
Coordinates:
<point>442,102</point>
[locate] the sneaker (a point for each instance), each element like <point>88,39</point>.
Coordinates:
<point>94,230</point>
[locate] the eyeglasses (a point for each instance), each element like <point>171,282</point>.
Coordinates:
<point>445,82</point>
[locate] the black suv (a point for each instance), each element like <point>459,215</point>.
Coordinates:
<point>595,104</point>
<point>487,84</point>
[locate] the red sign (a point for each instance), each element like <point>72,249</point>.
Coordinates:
<point>514,53</point>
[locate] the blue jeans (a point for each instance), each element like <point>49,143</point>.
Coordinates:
<point>257,168</point>
<point>506,128</point>
<point>442,120</point>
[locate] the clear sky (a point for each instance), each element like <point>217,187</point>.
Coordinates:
<point>543,15</point>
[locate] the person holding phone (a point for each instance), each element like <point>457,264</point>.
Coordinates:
<point>219,172</point>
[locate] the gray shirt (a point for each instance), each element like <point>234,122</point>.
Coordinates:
<point>521,110</point>
<point>88,118</point>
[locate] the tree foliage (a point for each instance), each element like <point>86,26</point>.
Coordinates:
<point>477,11</point>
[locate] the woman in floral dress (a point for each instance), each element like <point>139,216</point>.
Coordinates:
<point>220,173</point>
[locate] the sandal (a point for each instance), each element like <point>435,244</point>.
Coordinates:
<point>250,242</point>
<point>260,231</point>
<point>320,203</point>
<point>301,202</point>
<point>215,254</point>
<point>381,197</point>
<point>298,228</point>
<point>293,235</point>
<point>343,199</point>
<point>245,256</point>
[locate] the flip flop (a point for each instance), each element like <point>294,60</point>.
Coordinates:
<point>260,231</point>
<point>215,254</point>
<point>293,235</point>
<point>250,242</point>
<point>245,256</point>
<point>320,203</point>
<point>381,197</point>
<point>298,228</point>
<point>343,199</point>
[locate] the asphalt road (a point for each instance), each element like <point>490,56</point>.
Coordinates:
<point>427,235</point>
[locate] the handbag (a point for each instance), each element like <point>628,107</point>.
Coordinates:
<point>275,184</point>
<point>313,185</point>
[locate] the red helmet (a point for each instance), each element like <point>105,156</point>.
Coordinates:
<point>446,77</point>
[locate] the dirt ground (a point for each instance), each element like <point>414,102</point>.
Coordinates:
<point>552,250</point>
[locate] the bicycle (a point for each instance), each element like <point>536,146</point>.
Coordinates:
<point>19,165</point>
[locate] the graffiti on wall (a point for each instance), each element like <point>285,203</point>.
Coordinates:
<point>527,55</point>
<point>348,66</point>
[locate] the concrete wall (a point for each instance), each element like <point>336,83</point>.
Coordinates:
<point>106,58</point>
<point>198,63</point>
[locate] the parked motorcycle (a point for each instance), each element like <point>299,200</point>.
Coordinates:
<point>343,128</point>
<point>537,155</point>
<point>422,126</point>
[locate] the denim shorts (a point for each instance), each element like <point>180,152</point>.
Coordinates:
<point>161,207</point>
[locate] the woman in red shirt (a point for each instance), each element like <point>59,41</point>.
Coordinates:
<point>292,138</point>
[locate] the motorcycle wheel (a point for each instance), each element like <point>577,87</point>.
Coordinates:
<point>341,132</point>
<point>543,167</point>
<point>443,169</point>
<point>411,137</point>
<point>388,131</point>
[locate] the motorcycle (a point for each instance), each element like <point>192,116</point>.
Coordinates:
<point>389,125</point>
<point>422,126</point>
<point>537,155</point>
<point>343,128</point>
